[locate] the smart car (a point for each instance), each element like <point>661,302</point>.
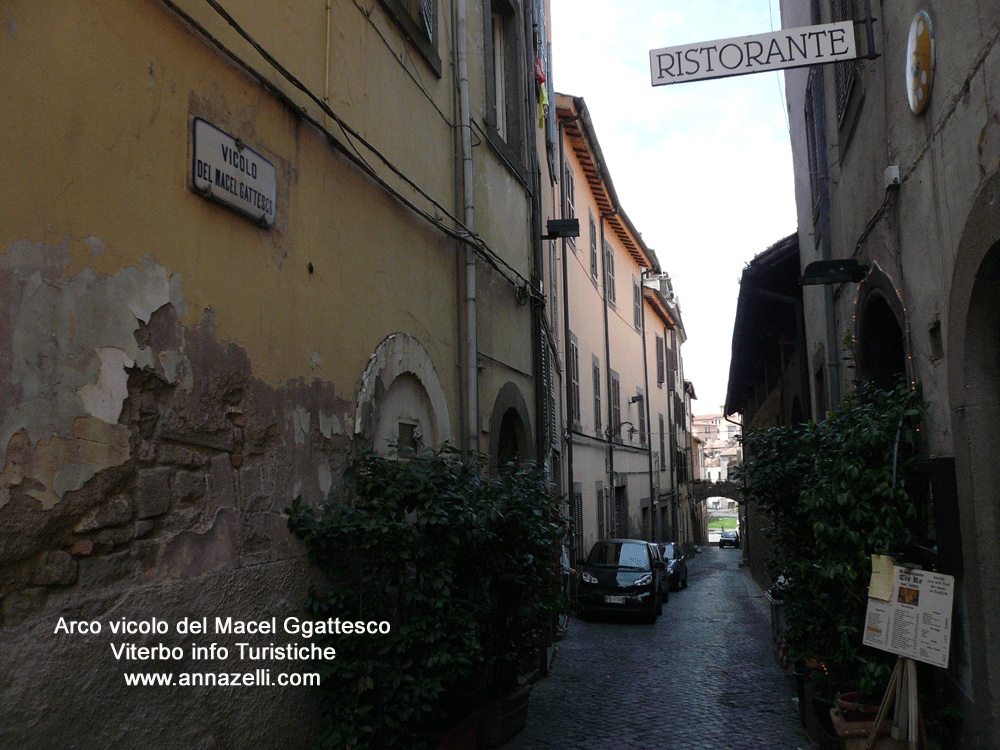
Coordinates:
<point>621,576</point>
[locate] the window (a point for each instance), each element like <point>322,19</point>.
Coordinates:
<point>812,151</point>
<point>418,20</point>
<point>409,438</point>
<point>609,275</point>
<point>569,198</point>
<point>636,304</point>
<point>597,395</point>
<point>845,72</point>
<point>503,81</point>
<point>616,407</point>
<point>574,379</point>
<point>593,249</point>
<point>659,361</point>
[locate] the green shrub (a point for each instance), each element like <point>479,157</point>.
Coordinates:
<point>459,565</point>
<point>834,493</point>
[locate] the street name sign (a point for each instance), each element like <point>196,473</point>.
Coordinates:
<point>224,169</point>
<point>761,53</point>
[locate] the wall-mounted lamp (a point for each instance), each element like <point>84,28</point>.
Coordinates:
<point>833,272</point>
<point>635,398</point>
<point>612,431</point>
<point>559,228</point>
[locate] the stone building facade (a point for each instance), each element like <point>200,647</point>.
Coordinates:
<point>897,168</point>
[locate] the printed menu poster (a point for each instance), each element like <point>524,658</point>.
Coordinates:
<point>916,621</point>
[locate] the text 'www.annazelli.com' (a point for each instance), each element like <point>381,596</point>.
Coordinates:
<point>256,678</point>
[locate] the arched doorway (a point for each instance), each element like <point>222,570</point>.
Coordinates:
<point>400,401</point>
<point>881,344</point>
<point>510,432</point>
<point>511,442</point>
<point>973,353</point>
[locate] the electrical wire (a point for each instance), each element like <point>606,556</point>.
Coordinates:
<point>462,234</point>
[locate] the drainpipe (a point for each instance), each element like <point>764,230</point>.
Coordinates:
<point>646,399</point>
<point>826,249</point>
<point>607,369</point>
<point>578,522</point>
<point>326,69</point>
<point>672,433</point>
<point>468,218</point>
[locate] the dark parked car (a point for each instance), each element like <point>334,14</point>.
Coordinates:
<point>677,567</point>
<point>621,576</point>
<point>663,577</point>
<point>729,538</point>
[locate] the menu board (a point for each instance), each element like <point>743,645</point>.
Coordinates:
<point>915,622</point>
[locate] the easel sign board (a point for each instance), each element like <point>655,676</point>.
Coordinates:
<point>916,621</point>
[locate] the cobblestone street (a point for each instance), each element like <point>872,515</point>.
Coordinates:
<point>702,677</point>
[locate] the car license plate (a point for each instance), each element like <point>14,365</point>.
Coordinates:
<point>614,599</point>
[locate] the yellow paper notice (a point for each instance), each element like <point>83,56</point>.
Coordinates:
<point>880,586</point>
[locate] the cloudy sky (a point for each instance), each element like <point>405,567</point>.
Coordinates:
<point>703,169</point>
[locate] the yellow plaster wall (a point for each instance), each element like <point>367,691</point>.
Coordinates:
<point>102,161</point>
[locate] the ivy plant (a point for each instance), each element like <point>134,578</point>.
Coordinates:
<point>835,495</point>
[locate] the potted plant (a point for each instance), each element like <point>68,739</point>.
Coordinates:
<point>835,495</point>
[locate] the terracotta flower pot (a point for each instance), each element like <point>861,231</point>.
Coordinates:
<point>462,736</point>
<point>500,719</point>
<point>854,734</point>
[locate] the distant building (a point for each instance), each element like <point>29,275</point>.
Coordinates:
<point>627,452</point>
<point>719,445</point>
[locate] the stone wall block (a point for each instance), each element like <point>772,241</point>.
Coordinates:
<point>83,547</point>
<point>118,536</point>
<point>221,487</point>
<point>57,567</point>
<point>147,452</point>
<point>19,606</point>
<point>181,455</point>
<point>152,495</point>
<point>191,555</point>
<point>188,486</point>
<point>133,565</point>
<point>116,512</point>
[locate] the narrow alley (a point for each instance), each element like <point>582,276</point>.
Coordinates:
<point>703,677</point>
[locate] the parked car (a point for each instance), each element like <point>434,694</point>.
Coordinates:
<point>677,568</point>
<point>621,576</point>
<point>663,577</point>
<point>729,538</point>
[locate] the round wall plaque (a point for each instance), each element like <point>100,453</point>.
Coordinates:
<point>920,62</point>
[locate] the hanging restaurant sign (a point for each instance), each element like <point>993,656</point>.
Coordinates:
<point>224,169</point>
<point>761,53</point>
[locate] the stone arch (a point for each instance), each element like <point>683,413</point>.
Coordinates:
<point>400,389</point>
<point>510,428</point>
<point>798,414</point>
<point>973,354</point>
<point>881,331</point>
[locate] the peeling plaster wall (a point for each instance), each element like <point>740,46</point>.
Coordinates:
<point>146,474</point>
<point>172,375</point>
<point>71,342</point>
